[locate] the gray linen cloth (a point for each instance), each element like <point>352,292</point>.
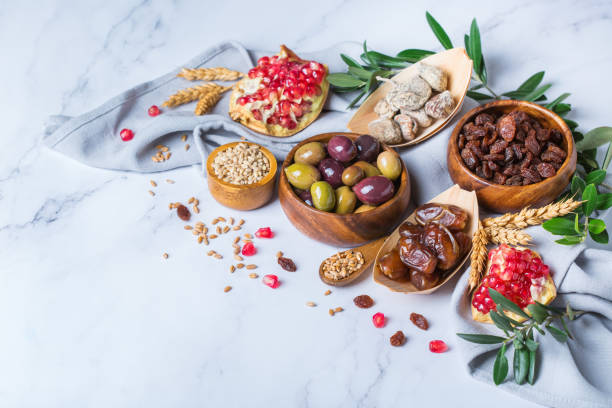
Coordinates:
<point>573,375</point>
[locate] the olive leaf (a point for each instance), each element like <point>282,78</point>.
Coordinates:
<point>350,61</point>
<point>506,303</point>
<point>344,80</point>
<point>570,312</point>
<point>532,82</point>
<point>413,54</point>
<point>596,226</point>
<point>601,238</point>
<point>557,101</point>
<point>360,73</point>
<point>532,363</point>
<point>559,226</point>
<point>357,99</point>
<point>590,196</point>
<point>500,321</point>
<point>531,344</point>
<point>536,93</point>
<point>559,335</point>
<point>438,31</point>
<point>479,96</point>
<point>481,338</point>
<point>475,47</point>
<point>521,365</point>
<point>538,313</point>
<point>595,138</point>
<point>595,177</point>
<point>500,367</point>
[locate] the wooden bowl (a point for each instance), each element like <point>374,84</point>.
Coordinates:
<point>241,197</point>
<point>468,201</point>
<point>458,67</point>
<point>502,198</point>
<point>342,230</point>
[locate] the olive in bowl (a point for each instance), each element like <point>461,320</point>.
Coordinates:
<point>352,221</point>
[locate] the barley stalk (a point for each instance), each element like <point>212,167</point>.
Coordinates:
<point>190,94</point>
<point>533,216</point>
<point>209,99</point>
<point>478,257</point>
<point>210,74</point>
<point>507,236</point>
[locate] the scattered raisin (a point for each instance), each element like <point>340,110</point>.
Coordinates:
<point>397,339</point>
<point>183,212</point>
<point>363,301</point>
<point>287,264</point>
<point>419,321</point>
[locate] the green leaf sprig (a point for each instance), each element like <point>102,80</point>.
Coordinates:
<point>587,183</point>
<point>520,335</point>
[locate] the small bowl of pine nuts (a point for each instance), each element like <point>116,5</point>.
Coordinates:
<point>241,175</point>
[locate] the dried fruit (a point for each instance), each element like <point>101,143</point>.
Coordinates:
<point>419,321</point>
<point>126,135</point>
<point>265,232</point>
<point>379,320</point>
<point>271,281</point>
<point>437,346</point>
<point>397,339</point>
<point>249,249</point>
<point>363,301</point>
<point>287,264</point>
<point>153,111</point>
<point>183,212</point>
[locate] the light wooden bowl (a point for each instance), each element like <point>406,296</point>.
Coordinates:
<point>454,195</point>
<point>241,197</point>
<point>458,67</point>
<point>342,230</point>
<point>502,198</point>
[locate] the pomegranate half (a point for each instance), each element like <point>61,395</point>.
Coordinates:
<point>517,273</point>
<point>281,95</point>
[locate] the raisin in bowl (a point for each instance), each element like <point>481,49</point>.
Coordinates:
<point>513,154</point>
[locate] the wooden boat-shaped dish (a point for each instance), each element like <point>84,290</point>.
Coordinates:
<point>454,195</point>
<point>458,67</point>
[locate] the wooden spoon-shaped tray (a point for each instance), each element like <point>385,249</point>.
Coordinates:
<point>454,195</point>
<point>458,67</point>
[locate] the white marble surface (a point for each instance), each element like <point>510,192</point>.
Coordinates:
<point>93,317</point>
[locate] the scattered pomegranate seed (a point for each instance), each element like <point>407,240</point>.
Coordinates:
<point>249,249</point>
<point>126,135</point>
<point>437,346</point>
<point>265,232</point>
<point>271,281</point>
<point>154,110</point>
<point>379,320</point>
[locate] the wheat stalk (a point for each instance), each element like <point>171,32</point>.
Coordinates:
<point>478,257</point>
<point>210,99</point>
<point>210,74</point>
<point>190,94</point>
<point>533,216</point>
<point>499,235</point>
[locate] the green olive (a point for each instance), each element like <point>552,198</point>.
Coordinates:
<point>369,169</point>
<point>302,175</point>
<point>323,196</point>
<point>364,208</point>
<point>352,175</point>
<point>389,164</point>
<point>310,153</point>
<point>345,200</point>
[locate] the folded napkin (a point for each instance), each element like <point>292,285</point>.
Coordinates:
<point>574,375</point>
<point>93,137</point>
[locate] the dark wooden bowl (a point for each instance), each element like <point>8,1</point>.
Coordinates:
<point>342,230</point>
<point>502,198</point>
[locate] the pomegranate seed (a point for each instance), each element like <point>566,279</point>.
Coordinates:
<point>249,249</point>
<point>271,281</point>
<point>437,346</point>
<point>253,73</point>
<point>379,320</point>
<point>126,135</point>
<point>292,125</point>
<point>285,107</point>
<point>263,61</point>
<point>265,232</point>
<point>256,114</point>
<point>153,110</point>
